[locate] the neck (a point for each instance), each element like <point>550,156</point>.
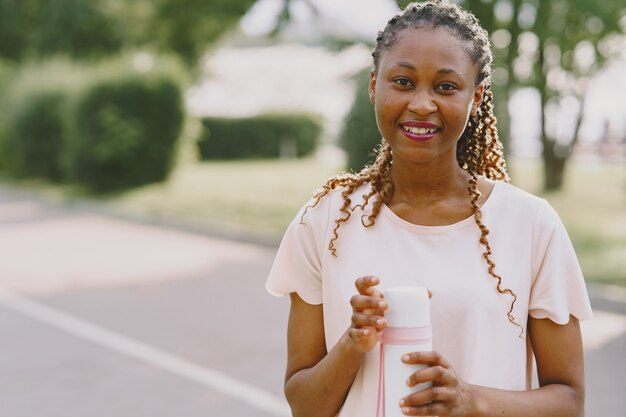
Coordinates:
<point>428,182</point>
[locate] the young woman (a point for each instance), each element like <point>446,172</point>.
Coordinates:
<point>435,209</point>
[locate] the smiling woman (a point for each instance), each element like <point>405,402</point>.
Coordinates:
<point>436,210</point>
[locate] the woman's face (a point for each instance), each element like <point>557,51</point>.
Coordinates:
<point>424,93</point>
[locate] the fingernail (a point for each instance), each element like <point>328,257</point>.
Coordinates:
<point>381,304</point>
<point>406,410</point>
<point>402,402</point>
<point>408,382</point>
<point>380,322</point>
<point>406,358</point>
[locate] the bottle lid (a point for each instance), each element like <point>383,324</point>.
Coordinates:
<point>409,306</point>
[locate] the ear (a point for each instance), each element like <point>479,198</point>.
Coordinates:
<point>477,100</point>
<point>372,86</point>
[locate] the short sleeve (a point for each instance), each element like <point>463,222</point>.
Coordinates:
<point>297,266</point>
<point>558,286</point>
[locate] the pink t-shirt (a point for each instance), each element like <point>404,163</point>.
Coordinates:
<point>531,250</point>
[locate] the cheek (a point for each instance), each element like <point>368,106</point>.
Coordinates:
<point>463,110</point>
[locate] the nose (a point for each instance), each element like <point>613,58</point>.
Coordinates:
<point>422,103</point>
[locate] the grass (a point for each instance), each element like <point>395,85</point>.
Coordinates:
<point>264,196</point>
<point>592,206</point>
<point>261,195</point>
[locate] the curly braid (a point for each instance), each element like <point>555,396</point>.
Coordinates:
<point>479,150</point>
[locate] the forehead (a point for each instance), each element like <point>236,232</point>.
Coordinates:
<point>436,46</point>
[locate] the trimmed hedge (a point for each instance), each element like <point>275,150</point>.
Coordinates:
<point>105,126</point>
<point>34,103</point>
<point>33,137</point>
<point>125,132</point>
<point>360,136</point>
<point>264,136</point>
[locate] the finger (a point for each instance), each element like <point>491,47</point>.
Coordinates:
<point>430,358</point>
<point>363,302</point>
<point>364,286</point>
<point>431,409</point>
<point>437,373</point>
<point>427,396</point>
<point>430,294</point>
<point>360,335</point>
<point>360,320</point>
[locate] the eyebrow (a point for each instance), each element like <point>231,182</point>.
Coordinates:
<point>410,66</point>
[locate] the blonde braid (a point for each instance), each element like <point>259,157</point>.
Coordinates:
<point>475,195</point>
<point>495,165</point>
<point>375,174</point>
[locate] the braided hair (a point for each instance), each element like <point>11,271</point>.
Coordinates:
<point>479,150</point>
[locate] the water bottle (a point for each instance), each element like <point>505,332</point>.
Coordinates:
<point>408,330</point>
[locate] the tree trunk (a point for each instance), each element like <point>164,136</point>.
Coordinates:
<point>554,156</point>
<point>554,163</point>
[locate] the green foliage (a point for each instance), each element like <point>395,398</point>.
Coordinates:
<point>33,117</point>
<point>125,130</point>
<point>7,74</point>
<point>13,21</point>
<point>105,125</point>
<point>360,135</point>
<point>187,27</point>
<point>39,28</point>
<point>77,27</point>
<point>94,28</point>
<point>264,136</point>
<point>32,140</point>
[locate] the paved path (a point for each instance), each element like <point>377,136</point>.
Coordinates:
<point>103,316</point>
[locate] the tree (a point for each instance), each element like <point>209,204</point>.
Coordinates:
<point>88,28</point>
<point>359,135</point>
<point>553,46</point>
<point>39,28</point>
<point>571,39</point>
<point>187,27</point>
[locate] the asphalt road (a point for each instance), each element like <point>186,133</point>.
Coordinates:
<point>103,316</point>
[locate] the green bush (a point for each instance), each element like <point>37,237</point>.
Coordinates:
<point>41,28</point>
<point>124,131</point>
<point>33,117</point>
<point>360,136</point>
<point>264,136</point>
<point>105,124</point>
<point>32,137</point>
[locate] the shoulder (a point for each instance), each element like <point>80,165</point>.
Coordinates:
<point>331,203</point>
<point>512,194</point>
<point>525,209</point>
<point>508,198</point>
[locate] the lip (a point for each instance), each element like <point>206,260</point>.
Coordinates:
<point>415,137</point>
<point>414,123</point>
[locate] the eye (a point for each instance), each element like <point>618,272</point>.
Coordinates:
<point>402,82</point>
<point>447,87</point>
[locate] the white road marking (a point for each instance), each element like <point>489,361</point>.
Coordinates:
<point>215,380</point>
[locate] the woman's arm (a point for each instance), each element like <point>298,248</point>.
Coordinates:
<point>559,356</point>
<point>560,368</point>
<point>317,382</point>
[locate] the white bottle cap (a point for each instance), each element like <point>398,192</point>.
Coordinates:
<point>408,307</point>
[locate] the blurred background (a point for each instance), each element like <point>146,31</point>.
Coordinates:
<point>152,153</point>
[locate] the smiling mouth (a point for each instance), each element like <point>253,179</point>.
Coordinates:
<point>420,130</point>
<point>419,133</point>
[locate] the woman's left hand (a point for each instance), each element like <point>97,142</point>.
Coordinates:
<point>448,395</point>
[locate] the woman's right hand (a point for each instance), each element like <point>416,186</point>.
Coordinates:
<point>368,309</point>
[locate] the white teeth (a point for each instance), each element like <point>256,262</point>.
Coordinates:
<point>420,130</point>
